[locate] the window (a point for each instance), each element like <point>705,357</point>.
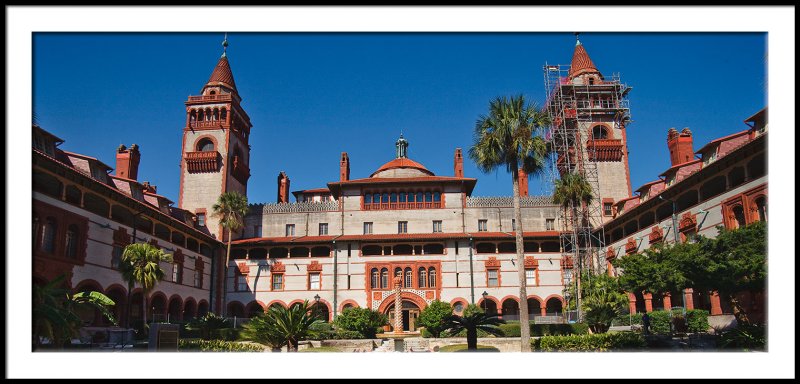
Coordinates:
<point>408,279</point>
<point>177,273</point>
<point>431,277</point>
<point>368,228</point>
<point>738,214</point>
<point>492,280</point>
<point>323,229</point>
<point>205,145</point>
<point>402,227</point>
<point>72,242</point>
<point>384,278</point>
<point>481,225</point>
<point>198,279</point>
<point>513,224</point>
<point>761,206</point>
<point>289,229</point>
<point>99,173</point>
<point>374,281</point>
<point>458,307</point>
<point>313,281</point>
<point>437,226</point>
<point>201,219</point>
<point>49,236</point>
<point>367,199</point>
<point>550,224</point>
<point>607,211</point>
<point>116,256</point>
<point>599,132</point>
<point>530,277</point>
<point>437,197</point>
<point>277,282</point>
<point>423,277</point>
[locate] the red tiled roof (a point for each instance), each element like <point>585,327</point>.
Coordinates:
<point>737,134</point>
<point>286,239</point>
<point>402,163</point>
<point>222,74</point>
<point>678,166</point>
<point>377,180</point>
<point>649,184</point>
<point>581,63</point>
<point>86,157</point>
<point>315,190</point>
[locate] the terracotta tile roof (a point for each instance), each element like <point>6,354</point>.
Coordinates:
<point>222,74</point>
<point>721,139</point>
<point>581,63</point>
<point>78,155</point>
<point>378,180</point>
<point>315,190</point>
<point>403,163</point>
<point>679,166</point>
<point>645,186</point>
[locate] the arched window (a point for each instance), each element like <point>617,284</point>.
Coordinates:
<point>212,93</point>
<point>738,214</point>
<point>205,145</point>
<point>761,205</point>
<point>374,280</point>
<point>385,198</point>
<point>408,278</point>
<point>393,197</point>
<point>437,197</point>
<point>591,81</point>
<point>419,197</point>
<point>428,197</point>
<point>200,115</point>
<point>402,197</point>
<point>49,235</point>
<point>72,242</point>
<point>224,114</point>
<point>368,199</point>
<point>376,198</point>
<point>423,277</point>
<point>432,277</point>
<point>599,132</point>
<point>384,278</point>
<point>398,272</point>
<point>410,196</point>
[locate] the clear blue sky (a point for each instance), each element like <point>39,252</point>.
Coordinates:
<point>311,96</point>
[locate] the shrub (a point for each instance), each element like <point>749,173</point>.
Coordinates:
<point>433,317</point>
<point>217,346</point>
<point>361,320</point>
<point>660,322</point>
<point>343,334</point>
<point>511,329</point>
<point>589,343</point>
<point>744,337</point>
<point>228,334</point>
<point>698,320</point>
<point>208,325</point>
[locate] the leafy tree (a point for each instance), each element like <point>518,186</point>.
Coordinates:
<point>472,320</point>
<point>657,269</point>
<point>231,207</point>
<point>280,326</point>
<point>141,263</point>
<point>208,325</point>
<point>361,320</point>
<point>506,137</point>
<point>433,317</point>
<point>54,311</point>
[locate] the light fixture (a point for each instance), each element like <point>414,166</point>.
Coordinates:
<point>316,298</point>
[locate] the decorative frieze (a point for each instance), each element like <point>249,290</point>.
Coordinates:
<point>508,201</point>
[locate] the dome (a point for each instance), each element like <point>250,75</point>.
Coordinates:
<point>402,167</point>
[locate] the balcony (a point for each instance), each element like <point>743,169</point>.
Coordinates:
<point>604,150</point>
<point>200,162</point>
<point>218,124</point>
<point>387,206</point>
<point>210,98</point>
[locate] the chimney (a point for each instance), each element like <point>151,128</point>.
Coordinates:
<point>149,187</point>
<point>344,168</point>
<point>680,146</point>
<point>283,188</point>
<point>523,182</point>
<point>458,164</point>
<point>128,161</point>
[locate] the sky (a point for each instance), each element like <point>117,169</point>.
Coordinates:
<point>311,96</point>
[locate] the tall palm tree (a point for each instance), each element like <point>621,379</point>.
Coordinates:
<point>280,326</point>
<point>231,207</point>
<point>571,191</point>
<point>475,319</point>
<point>141,263</point>
<point>507,137</point>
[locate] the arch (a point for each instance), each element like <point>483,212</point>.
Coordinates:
<point>162,232</point>
<point>320,251</point>
<point>384,278</point>
<point>92,284</point>
<point>299,252</point>
<point>422,277</point>
<point>205,143</point>
<point>347,304</point>
<point>534,305</point>
<point>664,211</point>
<point>408,278</point>
<point>510,307</point>
<point>760,204</point>
<point>736,177</point>
<point>550,246</point>
<point>238,254</point>
<point>117,293</point>
<point>324,309</point>
<point>402,249</point>
<point>47,184</point>
<point>554,304</point>
<point>258,254</point>
<point>404,296</point>
<point>738,215</point>
<point>49,230</point>
<point>371,250</point>
<point>295,302</point>
<point>530,246</point>
<point>174,308</point>
<point>178,238</point>
<point>599,131</point>
<point>278,252</point>
<point>687,200</point>
<point>433,249</point>
<point>507,247</point>
<point>192,245</point>
<point>278,303</point>
<point>631,227</point>
<point>491,305</point>
<point>254,308</point>
<point>455,302</point>
<point>712,187</point>
<point>121,214</point>
<point>202,308</point>
<point>374,282</point>
<point>95,204</point>
<point>647,219</point>
<point>756,167</point>
<point>485,248</point>
<point>157,308</point>
<point>235,309</point>
<point>189,309</point>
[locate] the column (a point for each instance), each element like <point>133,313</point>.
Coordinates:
<point>543,308</point>
<point>631,302</point>
<point>716,308</point>
<point>688,297</point>
<point>648,302</point>
<point>667,301</point>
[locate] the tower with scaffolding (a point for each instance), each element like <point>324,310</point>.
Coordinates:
<point>588,114</point>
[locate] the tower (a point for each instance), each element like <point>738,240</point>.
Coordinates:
<point>215,154</point>
<point>589,115</point>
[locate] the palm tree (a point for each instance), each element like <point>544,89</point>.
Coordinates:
<point>208,325</point>
<point>141,263</point>
<point>570,191</point>
<point>280,326</point>
<point>54,315</point>
<point>475,319</point>
<point>231,207</point>
<point>506,137</point>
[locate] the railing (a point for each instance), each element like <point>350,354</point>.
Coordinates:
<point>207,124</point>
<point>383,206</point>
<point>549,319</point>
<point>508,201</point>
<point>206,161</point>
<point>220,97</point>
<point>309,206</point>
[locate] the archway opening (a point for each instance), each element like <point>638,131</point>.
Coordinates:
<point>409,312</point>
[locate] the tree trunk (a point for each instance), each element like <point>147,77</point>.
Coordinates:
<point>472,339</point>
<point>291,345</point>
<point>525,332</point>
<point>128,307</point>
<point>738,310</point>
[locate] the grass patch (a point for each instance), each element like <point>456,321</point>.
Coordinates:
<point>320,349</point>
<point>463,348</point>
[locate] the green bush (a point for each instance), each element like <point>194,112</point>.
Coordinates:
<point>362,320</point>
<point>744,337</point>
<point>425,334</point>
<point>463,348</point>
<point>433,317</point>
<point>589,343</point>
<point>626,319</point>
<point>227,334</point>
<point>217,346</point>
<point>698,320</point>
<point>660,322</point>
<point>511,329</point>
<point>343,334</point>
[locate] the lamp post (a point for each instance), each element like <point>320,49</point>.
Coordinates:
<point>316,304</point>
<point>485,306</point>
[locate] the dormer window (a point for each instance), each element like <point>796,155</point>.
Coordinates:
<point>99,173</point>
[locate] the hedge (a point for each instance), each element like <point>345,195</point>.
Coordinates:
<point>659,322</point>
<point>217,346</point>
<point>698,320</point>
<point>228,334</point>
<point>614,341</point>
<point>511,329</point>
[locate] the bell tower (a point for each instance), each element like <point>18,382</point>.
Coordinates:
<point>215,154</point>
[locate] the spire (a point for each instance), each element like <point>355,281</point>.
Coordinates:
<point>402,148</point>
<point>222,74</point>
<point>581,63</point>
<point>225,45</point>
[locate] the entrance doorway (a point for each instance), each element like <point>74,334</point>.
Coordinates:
<point>409,313</point>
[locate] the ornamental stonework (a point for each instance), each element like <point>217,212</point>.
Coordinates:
<point>315,266</point>
<point>688,222</point>
<point>492,262</point>
<point>531,262</point>
<point>656,235</point>
<point>277,267</point>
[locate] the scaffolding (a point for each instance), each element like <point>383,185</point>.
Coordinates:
<point>574,108</point>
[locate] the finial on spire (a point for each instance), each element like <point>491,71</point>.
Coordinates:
<point>402,148</point>
<point>577,39</point>
<point>225,45</point>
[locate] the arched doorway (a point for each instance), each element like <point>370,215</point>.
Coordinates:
<point>510,309</point>
<point>409,312</point>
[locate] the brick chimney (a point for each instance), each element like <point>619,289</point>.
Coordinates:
<point>128,161</point>
<point>458,164</point>
<point>283,188</point>
<point>680,146</point>
<point>523,182</point>
<point>344,167</point>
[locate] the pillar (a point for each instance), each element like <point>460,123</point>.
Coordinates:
<point>648,302</point>
<point>716,308</point>
<point>543,308</point>
<point>667,301</point>
<point>688,298</point>
<point>631,303</point>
